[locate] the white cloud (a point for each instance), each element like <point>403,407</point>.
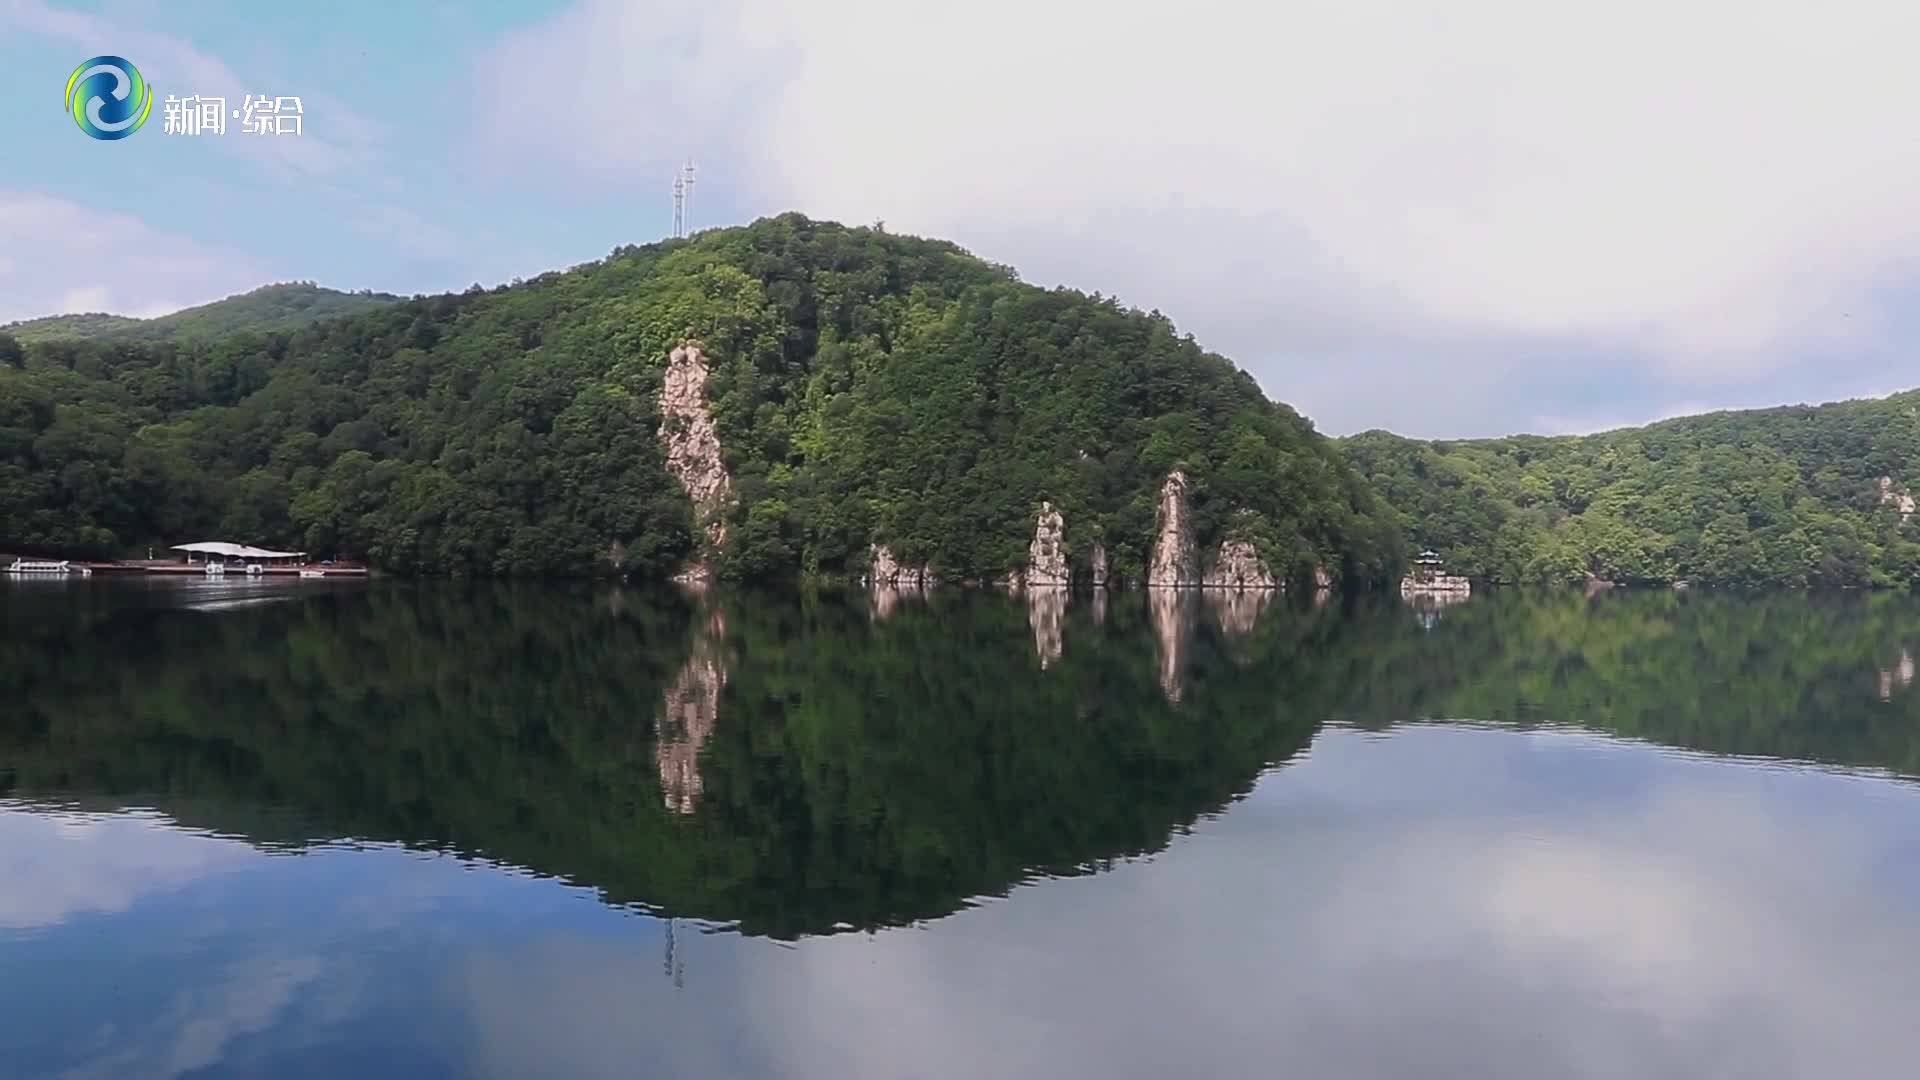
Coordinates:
<point>406,232</point>
<point>87,260</point>
<point>1438,901</point>
<point>1709,191</point>
<point>204,1017</point>
<point>55,865</point>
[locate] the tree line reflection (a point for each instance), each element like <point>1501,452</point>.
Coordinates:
<point>793,765</point>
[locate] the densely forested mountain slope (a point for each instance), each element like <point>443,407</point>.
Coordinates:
<point>263,310</point>
<point>865,388</point>
<point>1788,496</point>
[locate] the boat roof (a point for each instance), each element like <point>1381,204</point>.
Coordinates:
<point>241,551</point>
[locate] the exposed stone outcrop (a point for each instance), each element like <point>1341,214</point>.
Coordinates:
<point>1238,566</point>
<point>1047,555</point>
<point>1322,578</point>
<point>1899,497</point>
<point>693,451</point>
<point>1047,615</point>
<point>1172,563</point>
<point>883,570</point>
<point>691,713</point>
<point>1099,566</point>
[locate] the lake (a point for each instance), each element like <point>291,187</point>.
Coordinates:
<point>386,829</point>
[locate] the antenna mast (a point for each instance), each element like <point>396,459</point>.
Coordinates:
<point>687,176</point>
<point>683,201</point>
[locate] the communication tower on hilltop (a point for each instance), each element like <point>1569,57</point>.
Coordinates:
<point>683,201</point>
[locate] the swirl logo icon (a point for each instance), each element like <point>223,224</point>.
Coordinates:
<point>108,98</point>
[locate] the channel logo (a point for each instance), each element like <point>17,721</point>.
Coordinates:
<point>107,97</point>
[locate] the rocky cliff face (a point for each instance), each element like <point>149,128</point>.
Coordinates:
<point>1322,578</point>
<point>1898,497</point>
<point>1238,566</point>
<point>1099,560</point>
<point>885,571</point>
<point>1047,555</point>
<point>693,450</point>
<point>1172,563</point>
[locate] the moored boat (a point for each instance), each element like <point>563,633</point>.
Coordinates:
<point>24,566</point>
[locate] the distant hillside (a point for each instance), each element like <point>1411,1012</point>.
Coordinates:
<point>825,390</point>
<point>266,309</point>
<point>1799,495</point>
<point>96,325</point>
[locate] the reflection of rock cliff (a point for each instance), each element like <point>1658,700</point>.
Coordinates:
<point>692,710</point>
<point>1172,563</point>
<point>1046,614</point>
<point>883,600</point>
<point>1898,677</point>
<point>1427,607</point>
<point>693,450</point>
<point>1238,610</point>
<point>1172,613</point>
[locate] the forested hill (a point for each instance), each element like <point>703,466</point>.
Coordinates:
<point>264,310</point>
<point>1787,496</point>
<point>863,387</point>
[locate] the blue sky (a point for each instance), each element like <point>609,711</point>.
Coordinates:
<point>1445,218</point>
<point>379,191</point>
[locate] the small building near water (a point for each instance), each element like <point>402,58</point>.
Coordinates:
<point>220,551</point>
<point>1429,575</point>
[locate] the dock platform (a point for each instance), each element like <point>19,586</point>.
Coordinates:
<point>181,569</point>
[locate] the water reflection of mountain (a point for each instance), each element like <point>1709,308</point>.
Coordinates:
<point>787,766</point>
<point>1794,676</point>
<point>790,765</point>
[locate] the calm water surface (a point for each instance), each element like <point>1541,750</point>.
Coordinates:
<point>386,830</point>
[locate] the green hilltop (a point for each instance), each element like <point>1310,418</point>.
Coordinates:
<point>266,309</point>
<point>1792,496</point>
<point>865,388</point>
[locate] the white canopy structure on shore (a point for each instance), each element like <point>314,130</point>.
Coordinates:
<point>209,549</point>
